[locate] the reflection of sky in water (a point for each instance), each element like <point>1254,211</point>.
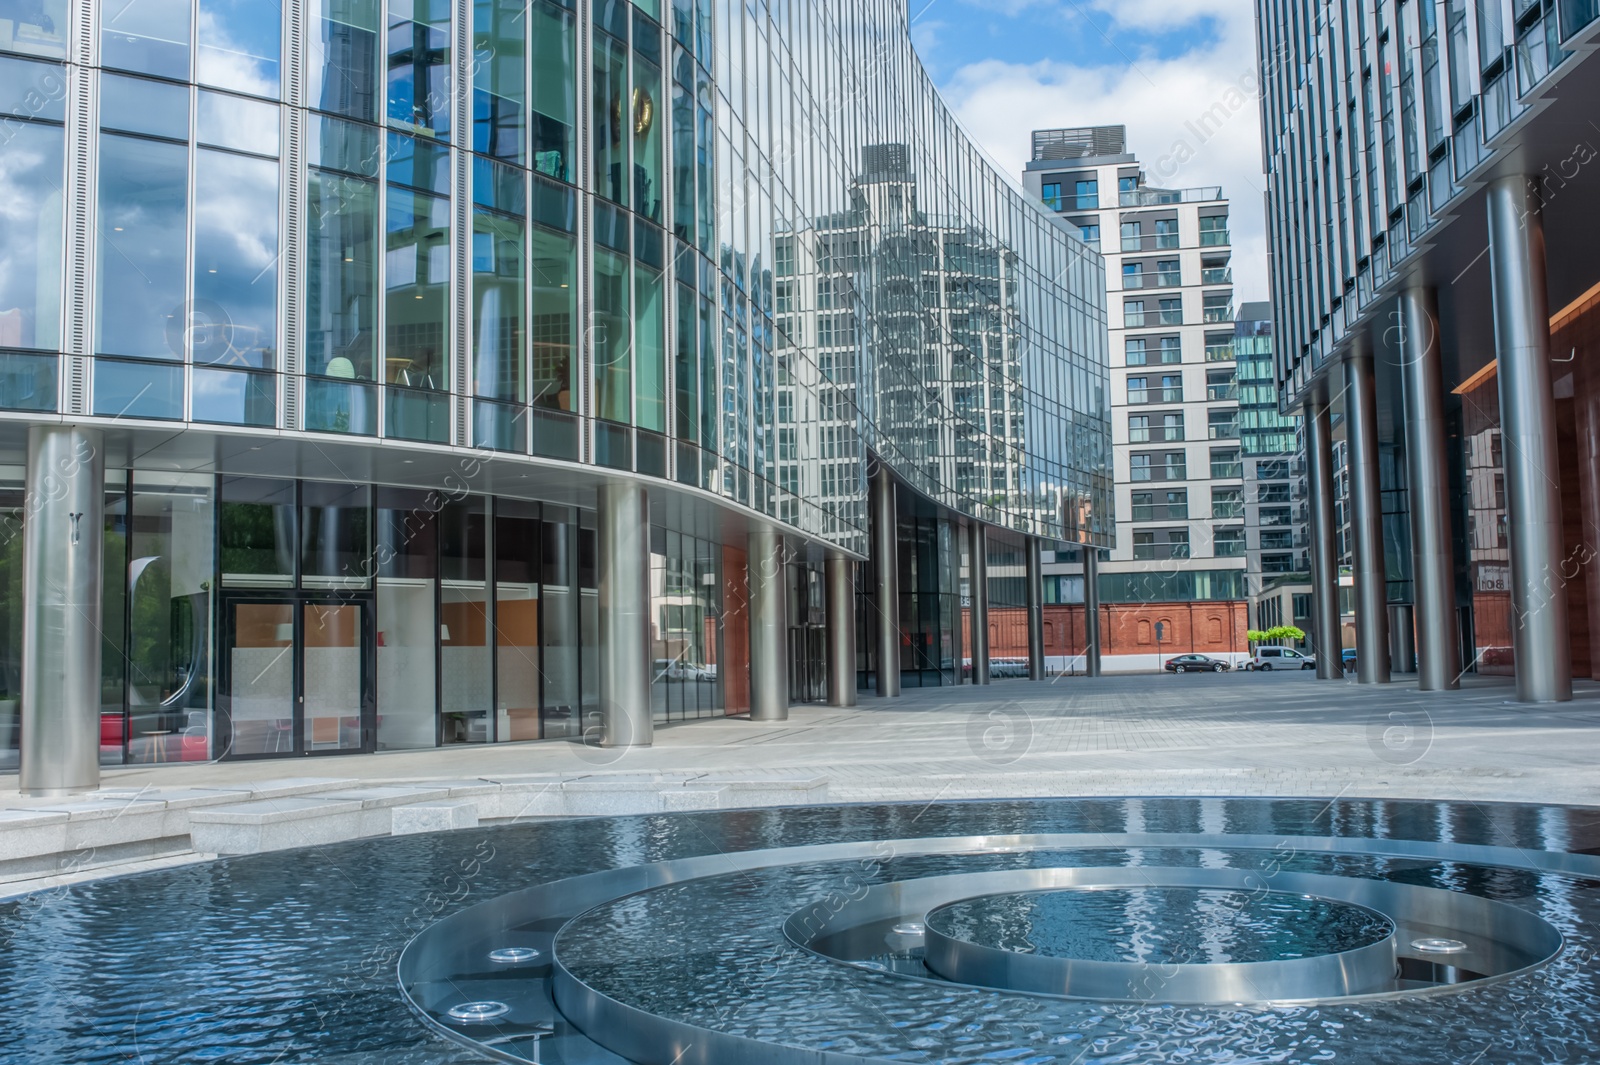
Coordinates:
<point>289,957</point>
<point>1165,925</point>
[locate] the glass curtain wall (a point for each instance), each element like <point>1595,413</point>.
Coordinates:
<point>407,619</point>
<point>519,561</point>
<point>467,693</point>
<point>685,612</point>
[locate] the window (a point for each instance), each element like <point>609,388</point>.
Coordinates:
<point>1172,312</point>
<point>1274,516</point>
<point>1178,543</point>
<point>1277,563</point>
<point>1051,194</point>
<point>1171,505</point>
<point>1139,468</point>
<point>1272,470</point>
<point>1171,350</point>
<point>1130,236</point>
<point>1225,464</point>
<point>1133,275</point>
<point>1166,233</point>
<point>1214,231</point>
<point>1219,348</point>
<point>1132,314</point>
<point>1090,234</point>
<point>1167,274</point>
<point>1277,539</point>
<point>1128,184</point>
<point>1172,388</point>
<point>1135,354</point>
<point>1172,427</point>
<point>1224,424</point>
<point>1272,493</point>
<point>1228,543</point>
<point>1138,390</point>
<point>1218,307</point>
<point>1227,502</point>
<point>1176,468</point>
<point>1220,385</point>
<point>1138,429</point>
<point>1088,194</point>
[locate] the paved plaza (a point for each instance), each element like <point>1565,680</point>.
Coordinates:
<point>1238,733</point>
<point>1279,734</point>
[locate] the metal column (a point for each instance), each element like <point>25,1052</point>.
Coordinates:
<point>1091,611</point>
<point>1035,590</point>
<point>623,517</point>
<point>1366,522</point>
<point>886,563</point>
<point>63,549</point>
<point>1428,478</point>
<point>978,596</point>
<point>841,618</point>
<point>1324,552</point>
<point>1528,435</point>
<point>769,627</point>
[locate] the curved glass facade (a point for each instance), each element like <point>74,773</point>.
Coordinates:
<point>737,250</point>
<point>367,300</point>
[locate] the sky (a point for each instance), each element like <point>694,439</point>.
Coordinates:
<point>1179,74</point>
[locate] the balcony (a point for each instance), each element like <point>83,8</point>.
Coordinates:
<point>1159,512</point>
<point>1216,275</point>
<point>1220,352</point>
<point>1225,431</point>
<point>1215,315</point>
<point>1219,393</point>
<point>1227,548</point>
<point>1170,395</point>
<point>1227,471</point>
<point>1148,197</point>
<point>1150,319</point>
<point>1232,508</point>
<point>1158,552</point>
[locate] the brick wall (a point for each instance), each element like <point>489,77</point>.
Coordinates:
<point>1125,629</point>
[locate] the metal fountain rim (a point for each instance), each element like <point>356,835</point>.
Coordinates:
<point>571,897</point>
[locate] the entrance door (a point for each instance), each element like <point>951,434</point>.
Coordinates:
<point>297,676</point>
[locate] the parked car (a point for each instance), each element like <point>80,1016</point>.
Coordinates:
<point>1008,667</point>
<point>1195,664</point>
<point>1348,658</point>
<point>1267,659</point>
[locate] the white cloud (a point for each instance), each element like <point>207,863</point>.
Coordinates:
<point>1193,119</point>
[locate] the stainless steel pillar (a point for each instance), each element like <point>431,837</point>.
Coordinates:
<point>1428,480</point>
<point>63,549</point>
<point>1528,437</point>
<point>1366,522</point>
<point>624,549</point>
<point>841,618</point>
<point>1091,611</point>
<point>769,627</point>
<point>1324,551</point>
<point>978,596</point>
<point>1035,594</point>
<point>886,562</point>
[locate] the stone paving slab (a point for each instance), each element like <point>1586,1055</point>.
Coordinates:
<point>1283,734</point>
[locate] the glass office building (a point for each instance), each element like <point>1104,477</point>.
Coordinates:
<point>1431,204</point>
<point>423,373</point>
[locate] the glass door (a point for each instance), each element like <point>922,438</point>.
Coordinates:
<point>296,676</point>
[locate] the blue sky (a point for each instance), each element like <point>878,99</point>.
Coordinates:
<point>1159,67</point>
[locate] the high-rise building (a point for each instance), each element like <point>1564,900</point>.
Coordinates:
<point>1180,473</point>
<point>1431,200</point>
<point>379,379</point>
<point>1274,493</point>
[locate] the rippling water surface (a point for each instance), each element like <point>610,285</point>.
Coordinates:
<point>1162,925</point>
<point>289,957</point>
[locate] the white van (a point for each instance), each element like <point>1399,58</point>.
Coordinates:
<point>1269,658</point>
